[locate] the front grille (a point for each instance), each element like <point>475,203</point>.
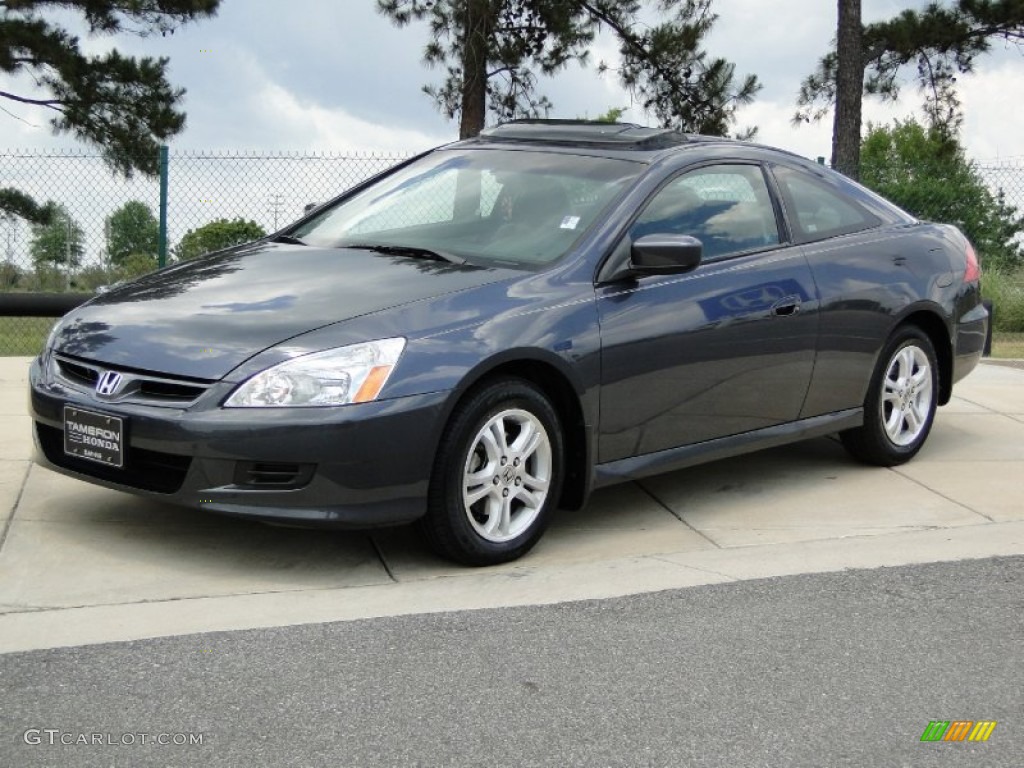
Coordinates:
<point>80,374</point>
<point>135,386</point>
<point>169,390</point>
<point>146,470</point>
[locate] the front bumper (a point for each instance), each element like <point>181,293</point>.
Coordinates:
<point>356,466</point>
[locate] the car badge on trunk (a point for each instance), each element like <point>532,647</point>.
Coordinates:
<point>109,383</point>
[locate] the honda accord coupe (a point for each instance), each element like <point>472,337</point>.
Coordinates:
<point>493,329</point>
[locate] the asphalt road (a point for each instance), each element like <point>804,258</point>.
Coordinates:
<point>841,669</point>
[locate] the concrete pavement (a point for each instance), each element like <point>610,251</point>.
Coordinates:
<point>80,564</point>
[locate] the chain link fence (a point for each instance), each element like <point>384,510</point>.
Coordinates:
<point>1005,287</point>
<point>1006,176</point>
<point>106,227</point>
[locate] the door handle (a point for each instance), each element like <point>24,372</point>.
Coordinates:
<point>786,307</point>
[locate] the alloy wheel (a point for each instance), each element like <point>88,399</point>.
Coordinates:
<point>906,395</point>
<point>507,475</point>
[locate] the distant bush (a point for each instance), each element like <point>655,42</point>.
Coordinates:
<point>1005,289</point>
<point>10,276</point>
<point>46,279</point>
<point>927,172</point>
<point>88,279</point>
<point>216,235</point>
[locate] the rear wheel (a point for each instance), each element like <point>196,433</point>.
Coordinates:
<point>497,476</point>
<point>900,405</point>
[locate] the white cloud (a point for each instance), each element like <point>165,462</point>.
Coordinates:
<point>351,82</point>
<point>994,112</point>
<point>315,127</point>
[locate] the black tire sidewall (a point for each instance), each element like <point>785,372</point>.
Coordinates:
<point>446,525</point>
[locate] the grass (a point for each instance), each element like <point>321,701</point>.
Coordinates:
<point>23,335</point>
<point>1008,345</point>
<point>1006,291</point>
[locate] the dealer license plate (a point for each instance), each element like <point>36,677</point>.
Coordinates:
<point>94,436</point>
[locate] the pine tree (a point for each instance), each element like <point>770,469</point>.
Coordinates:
<point>493,50</point>
<point>849,87</point>
<point>124,106</point>
<point>941,40</point>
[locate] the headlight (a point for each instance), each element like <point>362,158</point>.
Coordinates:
<point>353,374</point>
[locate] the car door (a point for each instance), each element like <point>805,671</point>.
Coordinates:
<point>865,273</point>
<point>722,350</point>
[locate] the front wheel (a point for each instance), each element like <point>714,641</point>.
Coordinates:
<point>497,476</point>
<point>900,405</point>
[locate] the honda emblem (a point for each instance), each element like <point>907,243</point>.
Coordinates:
<point>109,383</point>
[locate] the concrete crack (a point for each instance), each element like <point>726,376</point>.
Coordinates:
<point>14,508</point>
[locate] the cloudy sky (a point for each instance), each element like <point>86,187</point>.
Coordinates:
<point>334,75</point>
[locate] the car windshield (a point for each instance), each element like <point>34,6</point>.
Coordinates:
<point>514,207</point>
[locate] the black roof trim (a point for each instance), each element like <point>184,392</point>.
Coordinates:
<point>584,133</point>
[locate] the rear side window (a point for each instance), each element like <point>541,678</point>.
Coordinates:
<point>816,211</point>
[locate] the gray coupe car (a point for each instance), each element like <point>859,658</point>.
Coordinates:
<point>493,329</point>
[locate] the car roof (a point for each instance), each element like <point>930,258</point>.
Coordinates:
<point>621,140</point>
<point>628,141</point>
<point>585,133</point>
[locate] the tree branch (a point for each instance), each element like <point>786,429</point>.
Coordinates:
<point>625,35</point>
<point>51,103</point>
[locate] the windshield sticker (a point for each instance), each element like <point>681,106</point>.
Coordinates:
<point>570,222</point>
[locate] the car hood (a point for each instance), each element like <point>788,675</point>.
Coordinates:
<point>204,318</point>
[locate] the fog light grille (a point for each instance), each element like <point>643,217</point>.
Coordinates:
<point>273,474</point>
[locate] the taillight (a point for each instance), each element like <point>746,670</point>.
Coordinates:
<point>973,273</point>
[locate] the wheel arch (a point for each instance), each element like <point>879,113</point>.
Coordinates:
<point>565,396</point>
<point>932,324</point>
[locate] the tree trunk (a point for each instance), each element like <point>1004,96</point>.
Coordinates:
<point>477,26</point>
<point>849,90</point>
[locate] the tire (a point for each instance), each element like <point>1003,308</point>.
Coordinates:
<point>900,405</point>
<point>497,476</point>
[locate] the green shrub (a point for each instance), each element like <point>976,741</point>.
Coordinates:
<point>927,173</point>
<point>10,276</point>
<point>1005,289</point>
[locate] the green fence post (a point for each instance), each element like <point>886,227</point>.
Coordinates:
<point>162,258</point>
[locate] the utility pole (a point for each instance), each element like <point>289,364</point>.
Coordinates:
<point>105,259</point>
<point>9,223</point>
<point>276,202</point>
<point>67,256</point>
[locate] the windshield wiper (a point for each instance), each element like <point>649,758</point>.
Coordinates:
<point>408,250</point>
<point>289,239</point>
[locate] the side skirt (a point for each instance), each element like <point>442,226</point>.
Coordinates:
<point>724,447</point>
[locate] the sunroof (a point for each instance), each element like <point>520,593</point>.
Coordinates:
<point>623,135</point>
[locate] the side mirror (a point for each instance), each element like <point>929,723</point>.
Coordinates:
<point>665,255</point>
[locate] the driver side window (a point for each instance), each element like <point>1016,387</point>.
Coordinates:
<point>726,207</point>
